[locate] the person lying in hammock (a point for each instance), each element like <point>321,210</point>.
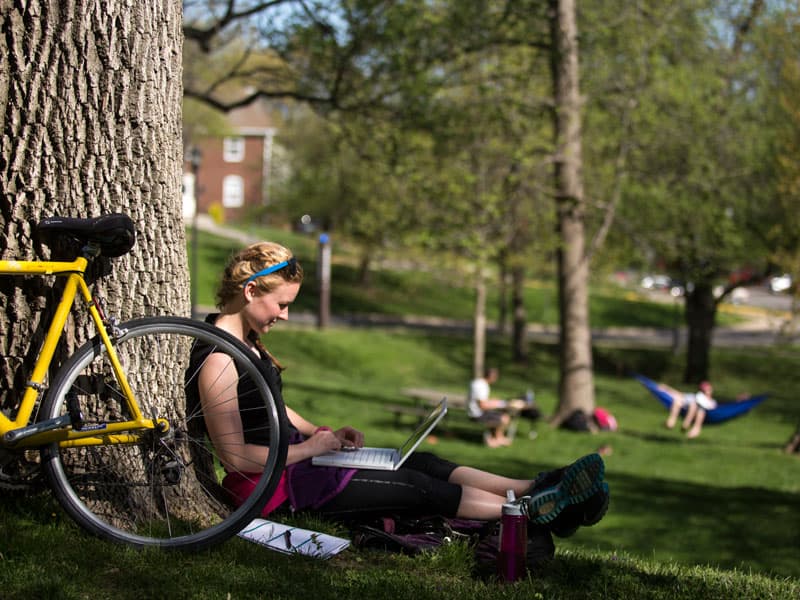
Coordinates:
<point>722,411</point>
<point>696,404</point>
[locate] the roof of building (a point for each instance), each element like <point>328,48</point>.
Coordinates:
<point>251,118</point>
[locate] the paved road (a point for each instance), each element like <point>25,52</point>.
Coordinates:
<point>759,297</point>
<point>756,333</point>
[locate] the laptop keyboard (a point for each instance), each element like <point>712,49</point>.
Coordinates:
<point>372,456</point>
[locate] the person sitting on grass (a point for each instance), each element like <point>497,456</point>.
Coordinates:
<point>696,405</point>
<point>491,412</point>
<point>257,287</point>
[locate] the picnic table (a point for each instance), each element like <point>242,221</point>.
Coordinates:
<point>429,397</point>
<point>425,398</point>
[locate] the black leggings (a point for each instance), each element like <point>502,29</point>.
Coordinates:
<point>419,487</point>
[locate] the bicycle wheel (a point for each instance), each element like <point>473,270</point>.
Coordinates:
<point>165,489</point>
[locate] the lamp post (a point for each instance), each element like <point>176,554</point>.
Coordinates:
<point>195,158</point>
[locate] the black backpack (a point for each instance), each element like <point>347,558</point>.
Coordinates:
<point>414,535</point>
<point>577,421</point>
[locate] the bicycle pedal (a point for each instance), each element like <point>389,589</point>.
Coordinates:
<point>74,411</point>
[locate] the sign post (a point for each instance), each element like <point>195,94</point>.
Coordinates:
<point>324,275</point>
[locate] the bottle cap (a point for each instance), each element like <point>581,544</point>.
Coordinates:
<point>512,507</point>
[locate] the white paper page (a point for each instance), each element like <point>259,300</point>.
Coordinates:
<point>293,540</point>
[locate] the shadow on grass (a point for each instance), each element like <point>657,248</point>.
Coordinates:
<point>692,524</point>
<point>456,425</point>
<point>348,391</point>
<point>669,437</point>
<point>652,520</point>
<point>584,574</point>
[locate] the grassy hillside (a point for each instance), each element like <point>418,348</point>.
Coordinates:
<point>714,517</point>
<point>423,289</point>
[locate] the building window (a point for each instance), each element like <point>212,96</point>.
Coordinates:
<point>232,191</point>
<point>233,149</point>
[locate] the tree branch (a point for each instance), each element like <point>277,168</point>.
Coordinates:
<point>745,26</point>
<point>251,97</point>
<point>204,36</point>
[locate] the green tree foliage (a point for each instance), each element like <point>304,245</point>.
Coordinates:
<point>780,217</point>
<point>355,179</point>
<point>228,59</point>
<point>438,130</point>
<point>690,183</point>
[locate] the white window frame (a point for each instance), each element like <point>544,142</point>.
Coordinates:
<point>233,149</point>
<point>233,191</point>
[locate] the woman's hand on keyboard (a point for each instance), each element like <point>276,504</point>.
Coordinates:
<point>323,441</point>
<point>350,437</point>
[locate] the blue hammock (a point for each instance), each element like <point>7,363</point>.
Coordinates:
<point>723,411</point>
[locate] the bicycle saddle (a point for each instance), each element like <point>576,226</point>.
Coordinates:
<point>114,234</point>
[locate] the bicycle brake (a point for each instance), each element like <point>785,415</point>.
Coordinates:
<point>114,329</point>
<point>111,323</point>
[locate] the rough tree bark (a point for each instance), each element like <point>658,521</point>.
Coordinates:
<point>576,387</point>
<point>90,118</point>
<point>519,338</point>
<point>90,101</point>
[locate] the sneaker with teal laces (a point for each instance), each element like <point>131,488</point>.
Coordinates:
<point>584,514</point>
<point>552,492</point>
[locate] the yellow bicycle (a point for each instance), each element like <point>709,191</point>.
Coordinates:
<point>118,429</point>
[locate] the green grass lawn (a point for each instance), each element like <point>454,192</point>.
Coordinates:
<point>715,517</point>
<point>444,293</point>
<point>728,498</point>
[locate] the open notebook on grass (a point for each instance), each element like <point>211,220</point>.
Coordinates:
<point>293,540</point>
<point>385,459</point>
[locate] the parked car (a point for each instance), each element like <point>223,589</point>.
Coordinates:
<point>664,283</point>
<point>740,295</point>
<point>781,283</point>
<point>656,282</point>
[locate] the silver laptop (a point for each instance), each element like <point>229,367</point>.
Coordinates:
<point>384,459</point>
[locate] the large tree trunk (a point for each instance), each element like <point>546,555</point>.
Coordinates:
<point>701,309</point>
<point>502,296</point>
<point>479,324</point>
<point>576,390</point>
<point>90,102</point>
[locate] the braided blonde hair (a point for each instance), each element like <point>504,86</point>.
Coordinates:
<point>250,260</point>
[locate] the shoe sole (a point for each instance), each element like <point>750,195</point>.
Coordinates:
<point>580,481</point>
<point>588,520</point>
<point>601,512</point>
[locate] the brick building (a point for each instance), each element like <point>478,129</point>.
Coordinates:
<point>233,174</point>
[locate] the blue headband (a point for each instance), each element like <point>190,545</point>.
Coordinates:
<point>291,263</point>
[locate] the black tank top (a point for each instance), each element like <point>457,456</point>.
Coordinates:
<point>255,420</point>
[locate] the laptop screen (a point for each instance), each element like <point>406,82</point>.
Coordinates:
<point>423,429</point>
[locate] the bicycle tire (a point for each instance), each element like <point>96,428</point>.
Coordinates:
<point>164,490</point>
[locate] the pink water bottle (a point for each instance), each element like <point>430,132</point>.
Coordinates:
<point>511,564</point>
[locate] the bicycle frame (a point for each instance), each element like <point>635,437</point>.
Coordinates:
<point>59,430</point>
